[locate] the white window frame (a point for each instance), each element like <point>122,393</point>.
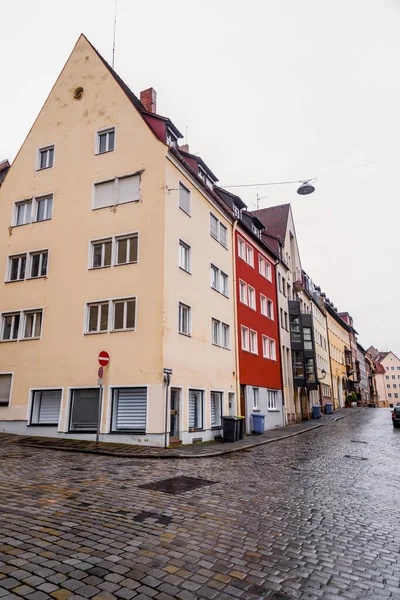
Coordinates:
<point>32,393</point>
<point>103,242</point>
<point>184,187</point>
<point>256,398</point>
<point>225,328</point>
<point>270,309</point>
<point>214,271</point>
<point>201,398</point>
<point>125,316</point>
<point>116,181</point>
<point>244,334</point>
<point>253,336</point>
<point>241,248</point>
<point>265,345</point>
<point>22,322</point>
<point>261,265</point>
<point>98,305</point>
<point>39,155</point>
<point>224,279</point>
<point>223,227</point>
<point>219,397</point>
<point>216,341</point>
<point>111,314</point>
<point>252,297</point>
<point>263,304</point>
<point>187,254</point>
<point>243,294</point>
<point>17,204</point>
<point>11,314</point>
<point>105,132</point>
<point>114,248</point>
<point>35,314</point>
<point>217,236</point>
<point>213,218</point>
<point>268,270</point>
<point>18,257</point>
<point>29,263</point>
<point>3,404</point>
<point>272,400</point>
<point>189,319</point>
<point>48,199</point>
<point>272,349</point>
<point>250,255</point>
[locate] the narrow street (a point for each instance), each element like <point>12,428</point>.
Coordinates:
<point>314,516</point>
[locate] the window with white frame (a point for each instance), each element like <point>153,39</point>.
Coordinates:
<point>117,191</point>
<point>23,212</point>
<point>124,314</point>
<point>272,400</point>
<point>216,409</point>
<point>256,398</point>
<point>196,409</point>
<point>252,297</point>
<point>253,342</point>
<point>218,231</point>
<point>272,349</point>
<point>10,326</point>
<point>38,264</point>
<point>225,336</point>
<point>45,407</point>
<point>129,409</point>
<point>185,252</point>
<point>184,319</point>
<point>46,158</point>
<point>5,388</point>
<point>105,140</point>
<point>32,324</point>
<point>243,291</point>
<point>185,200</point>
<point>263,304</point>
<point>268,270</point>
<point>261,265</point>
<point>214,222</point>
<point>245,337</point>
<point>241,248</point>
<point>98,317</point>
<point>216,332</point>
<point>265,344</point>
<point>101,253</point>
<point>43,208</point>
<point>223,235</point>
<point>126,249</point>
<point>270,309</point>
<point>250,255</point>
<point>224,284</point>
<point>214,274</point>
<point>16,267</point>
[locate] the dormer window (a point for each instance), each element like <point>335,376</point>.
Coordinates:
<point>236,211</point>
<point>203,175</point>
<point>256,230</point>
<point>171,138</point>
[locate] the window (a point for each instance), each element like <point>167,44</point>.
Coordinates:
<point>16,268</point>
<point>223,235</point>
<point>286,321</point>
<point>297,359</point>
<point>129,409</point>
<point>395,385</point>
<point>280,282</point>
<point>124,314</point>
<point>184,319</point>
<point>250,255</point>
<point>389,395</point>
<point>236,211</point>
<point>392,368</point>
<point>396,395</point>
<point>243,291</point>
<point>23,212</point>
<point>214,272</point>
<point>256,398</point>
<point>10,326</point>
<point>284,286</point>
<point>46,158</point>
<point>245,338</point>
<point>126,249</point>
<point>388,385</point>
<point>224,284</point>
<point>171,138</point>
<point>295,329</point>
<point>117,191</point>
<point>45,407</point>
<point>84,412</point>
<point>101,254</point>
<point>393,376</point>
<point>268,270</point>
<point>270,309</point>
<point>252,297</point>
<point>264,267</point>
<point>265,344</point>
<point>216,332</point>
<point>32,325</point>
<point>225,336</point>
<point>263,305</point>
<point>44,208</point>
<point>38,264</point>
<point>310,374</point>
<point>196,409</point>
<point>241,248</point>
<point>5,388</point>
<point>307,335</point>
<point>185,202</point>
<point>253,342</point>
<point>272,349</point>
<point>105,140</point>
<point>216,409</point>
<point>214,226</point>
<point>272,400</point>
<point>184,256</point>
<point>98,317</point>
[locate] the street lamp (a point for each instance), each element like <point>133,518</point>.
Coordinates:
<point>306,187</point>
<point>323,374</point>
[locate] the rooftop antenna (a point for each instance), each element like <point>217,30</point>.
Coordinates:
<point>186,136</point>
<point>115,29</point>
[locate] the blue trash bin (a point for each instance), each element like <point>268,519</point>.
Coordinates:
<point>316,411</point>
<point>329,408</point>
<point>258,423</point>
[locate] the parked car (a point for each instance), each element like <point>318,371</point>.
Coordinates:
<point>396,416</point>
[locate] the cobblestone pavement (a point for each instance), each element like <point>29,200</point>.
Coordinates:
<point>313,516</point>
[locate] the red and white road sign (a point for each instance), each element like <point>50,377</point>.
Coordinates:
<point>104,358</point>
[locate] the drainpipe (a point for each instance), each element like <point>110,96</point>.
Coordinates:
<point>167,379</point>
<point>280,347</point>
<point>236,345</point>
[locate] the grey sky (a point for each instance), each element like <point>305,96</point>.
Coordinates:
<point>269,90</point>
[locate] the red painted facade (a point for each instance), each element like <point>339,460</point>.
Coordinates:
<point>256,370</point>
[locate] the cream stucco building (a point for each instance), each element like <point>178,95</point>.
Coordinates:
<point>338,338</point>
<point>108,234</point>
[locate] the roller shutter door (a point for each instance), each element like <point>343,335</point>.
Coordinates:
<point>130,407</point>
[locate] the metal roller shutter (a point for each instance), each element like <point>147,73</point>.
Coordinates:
<point>84,411</point>
<point>49,410</point>
<point>5,389</point>
<point>130,409</point>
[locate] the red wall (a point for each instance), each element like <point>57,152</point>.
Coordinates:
<point>254,368</point>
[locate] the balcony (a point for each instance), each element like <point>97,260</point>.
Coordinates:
<point>298,282</point>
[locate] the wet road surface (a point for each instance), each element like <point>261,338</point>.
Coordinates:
<point>314,516</point>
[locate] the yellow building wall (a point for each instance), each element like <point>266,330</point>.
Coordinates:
<point>338,339</point>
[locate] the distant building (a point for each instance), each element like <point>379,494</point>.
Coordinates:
<point>387,377</point>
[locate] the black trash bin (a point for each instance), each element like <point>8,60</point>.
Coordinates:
<point>230,429</point>
<point>241,428</point>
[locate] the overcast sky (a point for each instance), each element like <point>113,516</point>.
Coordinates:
<point>269,90</point>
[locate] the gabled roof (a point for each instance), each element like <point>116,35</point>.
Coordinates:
<point>4,168</point>
<point>275,219</point>
<point>379,368</point>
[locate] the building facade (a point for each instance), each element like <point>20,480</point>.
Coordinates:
<point>387,377</point>
<point>361,367</point>
<point>338,339</point>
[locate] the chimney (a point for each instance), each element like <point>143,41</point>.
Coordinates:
<point>149,99</point>
<point>184,148</point>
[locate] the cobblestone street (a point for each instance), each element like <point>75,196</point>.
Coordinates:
<point>313,516</point>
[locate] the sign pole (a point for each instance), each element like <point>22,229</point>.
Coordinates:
<point>99,413</point>
<point>104,359</point>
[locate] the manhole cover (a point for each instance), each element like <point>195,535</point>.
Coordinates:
<point>177,485</point>
<point>143,516</point>
<point>355,457</point>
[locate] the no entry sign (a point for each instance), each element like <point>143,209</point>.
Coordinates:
<point>104,358</point>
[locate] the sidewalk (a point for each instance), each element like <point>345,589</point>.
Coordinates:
<point>203,450</point>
